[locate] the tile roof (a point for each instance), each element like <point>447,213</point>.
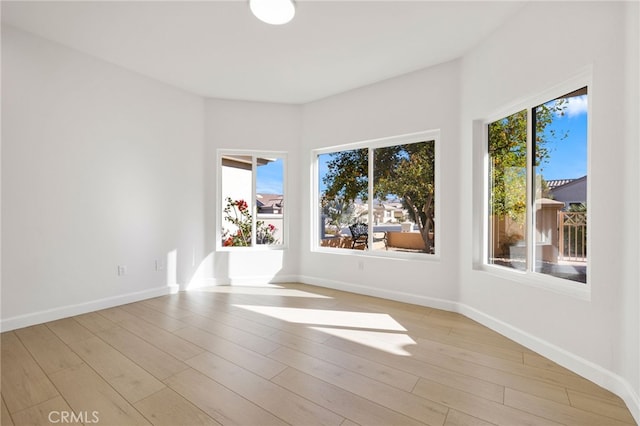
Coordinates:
<point>270,200</point>
<point>553,184</point>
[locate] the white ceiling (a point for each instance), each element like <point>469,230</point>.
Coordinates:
<point>218,49</point>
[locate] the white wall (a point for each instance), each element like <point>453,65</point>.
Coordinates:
<point>100,167</point>
<point>630,294</point>
<point>544,45</point>
<point>103,167</point>
<point>261,127</point>
<point>423,100</point>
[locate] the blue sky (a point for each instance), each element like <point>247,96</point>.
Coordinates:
<point>270,177</point>
<point>569,156</point>
<point>323,169</point>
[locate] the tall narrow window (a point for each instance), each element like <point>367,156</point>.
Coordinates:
<point>252,199</point>
<point>560,192</point>
<point>538,189</point>
<point>379,197</point>
<point>508,191</point>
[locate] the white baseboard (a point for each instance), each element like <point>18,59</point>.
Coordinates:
<point>399,296</point>
<point>53,314</point>
<point>200,283</point>
<point>632,399</point>
<point>248,280</point>
<point>587,369</point>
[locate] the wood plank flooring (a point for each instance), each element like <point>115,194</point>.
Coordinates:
<point>286,354</point>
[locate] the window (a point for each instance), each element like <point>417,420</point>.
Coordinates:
<point>252,197</point>
<point>379,196</point>
<point>537,199</point>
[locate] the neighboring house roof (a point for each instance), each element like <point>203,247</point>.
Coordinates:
<point>553,184</point>
<point>270,201</point>
<point>392,206</point>
<point>573,191</point>
<point>556,184</point>
<point>548,202</point>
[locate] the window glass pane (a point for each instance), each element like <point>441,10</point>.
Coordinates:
<point>404,198</point>
<point>270,201</point>
<point>508,191</point>
<point>236,201</point>
<point>343,194</point>
<point>561,186</point>
<point>252,200</point>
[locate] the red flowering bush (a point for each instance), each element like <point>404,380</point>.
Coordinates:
<point>237,213</point>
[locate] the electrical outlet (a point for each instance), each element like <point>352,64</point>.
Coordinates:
<point>122,270</point>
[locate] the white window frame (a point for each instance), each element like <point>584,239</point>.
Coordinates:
<point>424,136</point>
<point>255,154</point>
<point>480,135</point>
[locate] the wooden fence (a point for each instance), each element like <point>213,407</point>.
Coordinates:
<point>572,236</point>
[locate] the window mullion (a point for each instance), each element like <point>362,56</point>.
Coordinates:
<point>530,190</point>
<point>254,198</point>
<point>370,197</point>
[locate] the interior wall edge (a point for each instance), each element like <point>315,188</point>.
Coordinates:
<point>26,320</point>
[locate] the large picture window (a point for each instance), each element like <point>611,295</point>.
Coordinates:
<point>379,196</point>
<point>537,197</point>
<point>252,197</point>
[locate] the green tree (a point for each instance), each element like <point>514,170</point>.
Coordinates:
<point>400,171</point>
<point>347,178</point>
<point>508,154</point>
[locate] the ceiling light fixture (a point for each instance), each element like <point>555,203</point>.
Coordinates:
<point>274,12</point>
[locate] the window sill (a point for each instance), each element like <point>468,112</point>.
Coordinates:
<point>547,282</point>
<point>252,248</point>
<point>378,254</point>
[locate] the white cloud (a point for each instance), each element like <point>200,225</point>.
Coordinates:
<point>576,106</point>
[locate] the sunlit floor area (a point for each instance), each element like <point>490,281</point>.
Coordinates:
<point>286,354</point>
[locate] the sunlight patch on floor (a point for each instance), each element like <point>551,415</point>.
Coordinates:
<point>393,343</point>
<point>375,330</point>
<point>332,318</point>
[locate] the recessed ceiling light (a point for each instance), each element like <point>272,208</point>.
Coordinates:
<point>274,12</point>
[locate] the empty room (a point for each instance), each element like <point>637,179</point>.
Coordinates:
<point>272,212</point>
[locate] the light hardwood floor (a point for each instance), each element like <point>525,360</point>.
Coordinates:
<point>286,354</point>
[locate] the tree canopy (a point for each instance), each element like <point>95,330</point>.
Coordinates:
<point>508,154</point>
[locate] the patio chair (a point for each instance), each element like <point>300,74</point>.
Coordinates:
<point>359,235</point>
